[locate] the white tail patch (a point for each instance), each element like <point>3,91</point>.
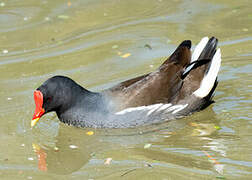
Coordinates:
<point>199,48</point>
<point>155,108</point>
<point>208,81</point>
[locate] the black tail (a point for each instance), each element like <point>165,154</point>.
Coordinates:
<point>200,77</point>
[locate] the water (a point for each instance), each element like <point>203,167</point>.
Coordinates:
<point>85,41</point>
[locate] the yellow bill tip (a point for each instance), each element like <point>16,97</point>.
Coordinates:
<point>34,121</point>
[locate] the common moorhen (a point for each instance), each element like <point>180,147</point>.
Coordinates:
<point>183,84</point>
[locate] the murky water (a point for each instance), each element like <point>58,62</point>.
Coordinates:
<point>87,40</point>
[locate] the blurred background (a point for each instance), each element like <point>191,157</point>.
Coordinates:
<point>100,43</point>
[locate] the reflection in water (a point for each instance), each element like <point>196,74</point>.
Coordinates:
<point>71,148</point>
<point>68,154</point>
<point>41,155</point>
<point>197,141</point>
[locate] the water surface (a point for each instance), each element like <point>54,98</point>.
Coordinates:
<point>85,41</point>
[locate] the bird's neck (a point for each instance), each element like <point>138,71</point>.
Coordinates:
<point>83,109</point>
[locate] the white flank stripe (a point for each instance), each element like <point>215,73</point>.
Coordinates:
<point>208,81</point>
<point>180,108</point>
<point>173,108</point>
<point>165,106</point>
<point>140,108</point>
<point>155,107</point>
<point>199,48</point>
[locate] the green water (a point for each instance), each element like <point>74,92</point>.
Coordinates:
<point>85,39</point>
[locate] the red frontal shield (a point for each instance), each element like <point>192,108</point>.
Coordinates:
<point>39,111</point>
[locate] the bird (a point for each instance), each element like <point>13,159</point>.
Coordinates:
<point>183,84</point>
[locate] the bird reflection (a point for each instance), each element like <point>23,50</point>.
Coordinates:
<point>184,142</point>
<point>69,153</point>
<point>192,145</point>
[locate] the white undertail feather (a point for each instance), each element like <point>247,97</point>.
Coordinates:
<point>199,48</point>
<point>209,79</point>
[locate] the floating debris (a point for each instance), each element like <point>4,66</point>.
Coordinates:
<point>26,18</point>
<point>108,161</point>
<point>90,133</point>
<point>151,66</point>
<point>29,177</point>
<point>219,168</point>
<point>115,46</point>
<point>220,177</point>
<point>63,16</point>
<point>168,132</point>
<point>30,158</point>
<point>9,98</point>
<point>47,19</point>
<point>146,146</point>
<point>73,146</point>
<point>148,46</point>
<point>148,165</point>
<point>56,149</point>
<point>217,127</point>
<point>129,171</point>
<point>2,4</point>
<point>23,145</point>
<point>245,29</point>
<point>125,55</point>
<point>69,4</point>
<point>5,51</point>
<point>193,124</point>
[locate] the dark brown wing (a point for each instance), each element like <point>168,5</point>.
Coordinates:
<point>127,83</point>
<point>157,87</point>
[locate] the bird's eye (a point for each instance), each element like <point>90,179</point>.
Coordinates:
<point>49,99</point>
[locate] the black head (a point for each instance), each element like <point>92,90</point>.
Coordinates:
<point>56,94</point>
